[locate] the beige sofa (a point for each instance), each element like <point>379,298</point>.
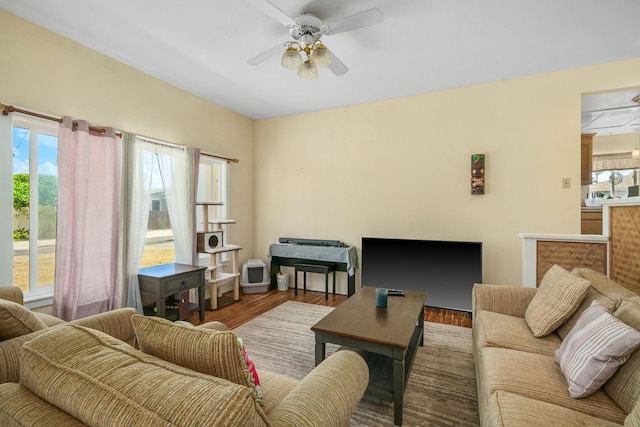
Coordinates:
<point>19,325</point>
<point>76,376</point>
<point>518,379</point>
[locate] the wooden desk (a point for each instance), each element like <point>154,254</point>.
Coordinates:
<point>162,281</point>
<point>388,338</point>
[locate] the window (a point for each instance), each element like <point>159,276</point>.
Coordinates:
<point>35,196</point>
<point>212,187</point>
<point>159,247</point>
<point>612,183</point>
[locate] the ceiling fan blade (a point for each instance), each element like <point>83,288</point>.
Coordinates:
<point>274,12</point>
<point>353,22</point>
<point>278,49</point>
<point>337,67</point>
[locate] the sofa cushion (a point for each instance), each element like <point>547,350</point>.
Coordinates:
<point>604,284</point>
<point>275,387</point>
<point>208,351</point>
<point>20,407</point>
<point>253,378</point>
<point>594,349</point>
<point>17,320</point>
<point>511,300</point>
<point>49,320</point>
<point>559,295</point>
<point>77,369</point>
<point>500,330</point>
<point>624,385</point>
<point>537,377</point>
<point>592,295</point>
<point>510,409</point>
<point>633,419</point>
<point>12,293</point>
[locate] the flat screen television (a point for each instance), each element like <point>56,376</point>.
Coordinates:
<point>446,270</point>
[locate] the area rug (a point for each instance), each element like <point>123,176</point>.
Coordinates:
<point>441,390</point>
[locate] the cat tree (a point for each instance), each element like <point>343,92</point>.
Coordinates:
<point>211,241</point>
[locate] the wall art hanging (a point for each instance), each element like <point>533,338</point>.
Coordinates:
<point>477,174</point>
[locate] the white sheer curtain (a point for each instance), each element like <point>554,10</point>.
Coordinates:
<point>179,183</point>
<point>176,176</point>
<point>136,201</point>
<point>88,218</point>
<point>194,172</point>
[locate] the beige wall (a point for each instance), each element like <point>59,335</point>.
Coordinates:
<point>398,168</point>
<point>42,71</point>
<point>615,143</point>
<point>401,168</point>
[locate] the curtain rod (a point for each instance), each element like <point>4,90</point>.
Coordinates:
<point>7,109</point>
<point>160,143</point>
<point>215,156</point>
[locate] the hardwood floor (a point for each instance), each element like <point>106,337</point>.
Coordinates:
<point>253,305</point>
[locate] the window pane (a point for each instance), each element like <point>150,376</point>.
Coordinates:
<point>47,178</point>
<point>617,180</point>
<point>35,196</point>
<point>211,181</point>
<point>159,248</point>
<point>21,208</point>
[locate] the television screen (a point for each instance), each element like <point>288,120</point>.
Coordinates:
<point>446,270</point>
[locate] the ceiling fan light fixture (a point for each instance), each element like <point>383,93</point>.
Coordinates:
<point>308,71</point>
<point>321,57</point>
<point>291,59</point>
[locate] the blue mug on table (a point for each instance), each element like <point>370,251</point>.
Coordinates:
<point>382,294</point>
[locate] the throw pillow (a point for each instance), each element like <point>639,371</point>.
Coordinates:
<point>603,284</point>
<point>559,295</point>
<point>211,352</point>
<point>17,320</point>
<point>592,294</point>
<point>252,378</point>
<point>594,349</point>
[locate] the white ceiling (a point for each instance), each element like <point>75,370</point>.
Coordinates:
<point>611,113</point>
<point>202,46</point>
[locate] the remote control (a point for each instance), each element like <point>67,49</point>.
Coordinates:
<point>396,292</point>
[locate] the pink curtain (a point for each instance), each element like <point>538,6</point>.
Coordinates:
<point>87,225</point>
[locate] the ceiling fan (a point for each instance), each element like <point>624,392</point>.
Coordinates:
<point>307,52</point>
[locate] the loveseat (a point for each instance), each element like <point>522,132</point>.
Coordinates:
<point>181,376</point>
<point>535,348</point>
<point>18,325</point>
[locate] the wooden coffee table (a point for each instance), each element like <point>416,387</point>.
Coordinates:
<point>387,338</point>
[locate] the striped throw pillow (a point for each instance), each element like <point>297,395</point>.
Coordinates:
<point>558,297</point>
<point>594,349</point>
